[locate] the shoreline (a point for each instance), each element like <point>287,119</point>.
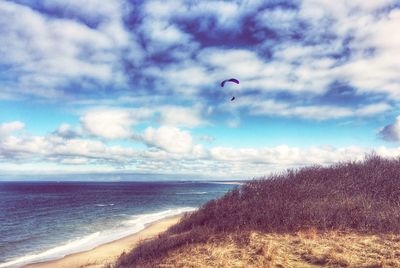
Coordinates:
<point>228,182</point>
<point>109,252</point>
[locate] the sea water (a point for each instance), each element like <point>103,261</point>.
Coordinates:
<point>41,221</point>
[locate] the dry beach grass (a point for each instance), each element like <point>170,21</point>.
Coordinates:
<point>301,249</point>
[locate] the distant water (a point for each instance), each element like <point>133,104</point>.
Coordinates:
<point>41,221</point>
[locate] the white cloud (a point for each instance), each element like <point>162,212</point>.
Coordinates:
<point>318,112</point>
<point>373,109</point>
<point>112,123</point>
<point>157,9</point>
<point>96,9</point>
<point>57,149</point>
<point>163,34</point>
<point>74,161</point>
<point>370,30</point>
<point>185,79</point>
<point>48,53</point>
<point>160,32</point>
<point>285,156</point>
<point>181,116</point>
<point>357,32</point>
<point>171,151</point>
<point>277,74</point>
<point>231,62</point>
<point>118,123</point>
<point>10,127</point>
<point>170,139</point>
<point>67,131</point>
<point>226,14</point>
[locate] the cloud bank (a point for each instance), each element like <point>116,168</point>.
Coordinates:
<point>169,149</point>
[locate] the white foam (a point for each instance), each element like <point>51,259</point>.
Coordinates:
<point>104,205</point>
<point>131,226</point>
<point>189,193</point>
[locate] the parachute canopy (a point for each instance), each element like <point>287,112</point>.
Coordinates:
<point>234,80</point>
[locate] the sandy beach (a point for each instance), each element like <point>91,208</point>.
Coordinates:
<point>108,253</point>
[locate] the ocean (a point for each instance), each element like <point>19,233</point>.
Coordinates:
<point>41,221</point>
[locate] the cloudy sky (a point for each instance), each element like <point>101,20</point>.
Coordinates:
<point>133,86</point>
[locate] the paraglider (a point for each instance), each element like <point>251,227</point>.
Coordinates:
<point>234,80</point>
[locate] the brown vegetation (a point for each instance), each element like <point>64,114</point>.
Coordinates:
<point>356,197</point>
<point>301,249</point>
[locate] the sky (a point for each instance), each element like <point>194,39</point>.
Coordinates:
<point>127,86</point>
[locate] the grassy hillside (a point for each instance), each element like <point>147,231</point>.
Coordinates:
<point>360,198</point>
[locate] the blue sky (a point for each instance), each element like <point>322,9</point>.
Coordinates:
<point>133,86</point>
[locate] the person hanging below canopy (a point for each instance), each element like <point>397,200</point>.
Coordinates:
<point>232,80</point>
